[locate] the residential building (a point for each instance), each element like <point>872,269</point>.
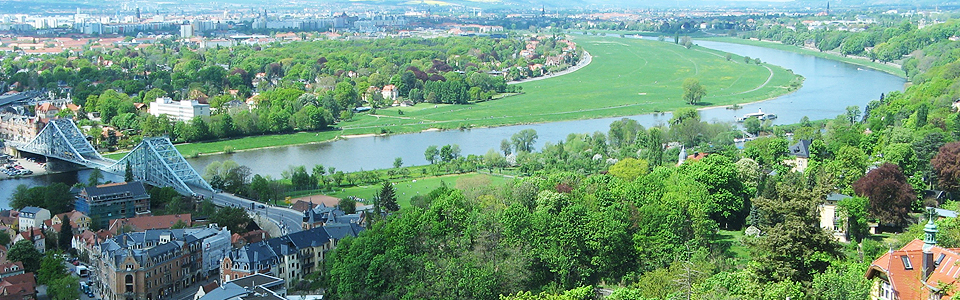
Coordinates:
<point>148,265</point>
<point>107,202</point>
<point>256,286</point>
<point>829,219</point>
<point>919,270</point>
<point>390,92</point>
<point>11,269</point>
<point>77,220</point>
<point>801,154</point>
<point>144,223</point>
<point>36,236</point>
<point>216,246</point>
<point>22,286</point>
<point>289,257</point>
<point>179,110</point>
<point>32,217</point>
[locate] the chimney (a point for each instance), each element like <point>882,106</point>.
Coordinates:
<point>929,241</point>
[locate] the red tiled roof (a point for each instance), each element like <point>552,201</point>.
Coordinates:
<point>907,284</point>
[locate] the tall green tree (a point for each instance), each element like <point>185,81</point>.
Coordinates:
<point>65,236</point>
<point>388,197</point>
<point>65,288</point>
<point>95,177</point>
<point>128,173</point>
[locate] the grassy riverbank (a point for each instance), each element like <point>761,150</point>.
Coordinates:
<point>888,68</point>
<point>626,77</point>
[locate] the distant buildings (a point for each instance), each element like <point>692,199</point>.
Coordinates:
<point>179,110</point>
<point>107,202</point>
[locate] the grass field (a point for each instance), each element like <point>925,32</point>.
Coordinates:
<point>888,68</point>
<point>626,77</point>
<point>406,189</point>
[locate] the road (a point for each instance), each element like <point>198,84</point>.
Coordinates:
<point>289,220</point>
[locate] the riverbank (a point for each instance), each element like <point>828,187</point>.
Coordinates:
<point>626,77</point>
<point>889,68</point>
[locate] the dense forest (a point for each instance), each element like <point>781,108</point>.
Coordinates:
<point>615,211</point>
<point>294,86</point>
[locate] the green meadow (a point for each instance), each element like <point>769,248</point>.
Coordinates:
<point>406,189</point>
<point>626,77</point>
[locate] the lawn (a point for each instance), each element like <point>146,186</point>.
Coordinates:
<point>406,189</point>
<point>627,77</point>
<point>889,68</point>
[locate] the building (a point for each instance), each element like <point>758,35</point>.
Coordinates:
<point>801,154</point>
<point>216,246</point>
<point>11,269</point>
<point>179,110</point>
<point>186,30</point>
<point>22,286</point>
<point>390,92</point>
<point>32,217</point>
<point>77,220</point>
<point>148,265</point>
<point>256,286</point>
<point>36,236</point>
<point>107,202</point>
<point>919,270</point>
<point>830,220</point>
<point>289,257</point>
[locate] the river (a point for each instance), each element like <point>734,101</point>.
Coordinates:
<point>829,88</point>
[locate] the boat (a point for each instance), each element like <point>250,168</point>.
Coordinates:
<point>762,116</point>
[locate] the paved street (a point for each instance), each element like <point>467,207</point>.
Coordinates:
<point>290,220</point>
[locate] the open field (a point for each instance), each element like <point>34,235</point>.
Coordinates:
<point>406,189</point>
<point>889,68</point>
<point>626,77</point>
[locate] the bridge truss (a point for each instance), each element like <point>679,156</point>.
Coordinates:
<point>155,160</point>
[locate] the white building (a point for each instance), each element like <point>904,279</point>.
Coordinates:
<point>179,110</point>
<point>32,217</point>
<point>186,31</point>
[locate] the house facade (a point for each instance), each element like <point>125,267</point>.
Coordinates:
<point>32,217</point>
<point>179,110</point>
<point>148,265</point>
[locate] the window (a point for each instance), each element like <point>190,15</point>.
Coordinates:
<point>886,291</point>
<point>129,283</point>
<point>906,262</point>
<point>940,259</point>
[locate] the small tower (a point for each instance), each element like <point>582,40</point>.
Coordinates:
<point>929,241</point>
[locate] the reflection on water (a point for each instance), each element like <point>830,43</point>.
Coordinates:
<point>830,87</point>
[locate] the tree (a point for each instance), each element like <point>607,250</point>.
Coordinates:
<point>853,113</point>
<point>234,218</point>
<point>629,168</point>
<point>65,288</point>
<point>348,205</point>
<point>66,236</point>
<point>505,146</point>
<point>128,173</point>
<point>693,91</point>
<point>95,177</point>
<point>397,162</point>
<point>523,141</point>
<point>431,154</point>
<point>388,197</point>
<point>947,165</point>
<point>51,268</point>
<point>890,195</point>
<point>752,125</point>
<point>259,187</point>
<point>24,251</point>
